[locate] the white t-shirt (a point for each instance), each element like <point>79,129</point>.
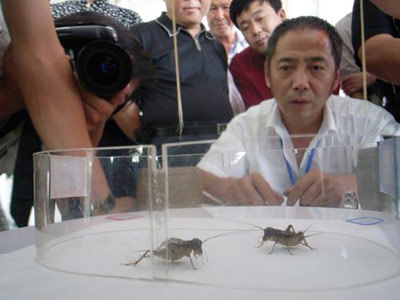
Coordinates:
<point>348,64</point>
<point>257,141</point>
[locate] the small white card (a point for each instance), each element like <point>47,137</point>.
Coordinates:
<point>68,176</point>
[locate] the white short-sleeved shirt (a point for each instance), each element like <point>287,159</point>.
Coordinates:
<point>257,141</point>
<point>234,95</point>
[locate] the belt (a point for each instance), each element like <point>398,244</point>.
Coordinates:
<point>192,128</point>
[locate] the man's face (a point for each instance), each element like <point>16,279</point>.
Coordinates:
<point>188,13</point>
<point>258,22</point>
<point>218,18</point>
<point>302,75</point>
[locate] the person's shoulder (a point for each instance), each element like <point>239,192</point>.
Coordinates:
<point>242,55</point>
<point>262,109</point>
<point>145,25</point>
<point>355,107</point>
<point>345,21</point>
<point>240,61</point>
<point>127,11</point>
<point>143,31</point>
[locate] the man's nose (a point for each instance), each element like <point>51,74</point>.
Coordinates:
<point>220,13</point>
<point>256,29</point>
<point>300,80</point>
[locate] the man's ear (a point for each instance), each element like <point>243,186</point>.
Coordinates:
<point>337,81</point>
<point>266,75</point>
<point>282,14</point>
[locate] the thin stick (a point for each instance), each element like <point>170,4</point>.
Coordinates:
<point>178,83</point>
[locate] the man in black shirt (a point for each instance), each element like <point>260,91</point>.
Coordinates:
<point>203,77</point>
<point>382,47</point>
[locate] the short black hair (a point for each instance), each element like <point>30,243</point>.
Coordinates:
<point>143,68</point>
<point>301,23</point>
<point>238,6</point>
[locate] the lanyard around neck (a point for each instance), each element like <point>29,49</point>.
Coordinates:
<point>308,164</point>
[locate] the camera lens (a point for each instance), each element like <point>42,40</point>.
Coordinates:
<point>103,68</point>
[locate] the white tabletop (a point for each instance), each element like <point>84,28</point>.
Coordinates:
<point>23,277</point>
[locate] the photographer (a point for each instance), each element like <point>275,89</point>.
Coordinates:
<point>114,65</point>
<point>63,114</point>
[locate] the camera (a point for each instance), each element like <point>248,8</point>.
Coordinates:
<point>101,66</point>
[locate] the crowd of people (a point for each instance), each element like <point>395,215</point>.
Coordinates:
<point>256,71</point>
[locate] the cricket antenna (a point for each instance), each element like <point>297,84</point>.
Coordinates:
<point>256,226</point>
<point>223,234</point>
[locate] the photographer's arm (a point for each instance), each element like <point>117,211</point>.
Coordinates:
<point>10,97</point>
<point>44,75</point>
<point>47,83</point>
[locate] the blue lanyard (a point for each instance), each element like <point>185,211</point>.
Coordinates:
<point>308,164</point>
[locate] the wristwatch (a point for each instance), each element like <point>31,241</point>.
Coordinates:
<point>350,200</point>
<point>107,205</point>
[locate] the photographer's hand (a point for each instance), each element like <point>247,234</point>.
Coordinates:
<point>98,110</point>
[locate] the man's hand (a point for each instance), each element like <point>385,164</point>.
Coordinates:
<point>352,84</point>
<point>320,189</point>
<point>251,189</point>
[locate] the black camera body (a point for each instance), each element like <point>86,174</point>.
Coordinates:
<point>101,66</point>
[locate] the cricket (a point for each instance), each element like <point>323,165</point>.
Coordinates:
<point>288,237</point>
<point>175,248</point>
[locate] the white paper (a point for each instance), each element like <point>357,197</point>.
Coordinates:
<point>68,176</point>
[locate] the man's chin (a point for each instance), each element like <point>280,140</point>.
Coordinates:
<point>261,49</point>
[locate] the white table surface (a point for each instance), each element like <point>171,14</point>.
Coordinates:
<point>22,277</point>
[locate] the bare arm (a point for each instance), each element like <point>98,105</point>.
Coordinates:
<point>61,113</point>
<point>10,96</point>
<point>382,57</point>
<point>44,75</point>
<point>391,7</point>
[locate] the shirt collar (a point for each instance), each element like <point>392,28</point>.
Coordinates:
<point>328,123</point>
<point>166,23</point>
<point>273,123</point>
<point>239,44</point>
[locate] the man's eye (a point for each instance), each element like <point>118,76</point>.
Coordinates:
<point>316,68</point>
<point>285,68</point>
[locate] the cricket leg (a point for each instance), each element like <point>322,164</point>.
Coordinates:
<point>260,242</point>
<point>191,261</point>
<point>138,261</point>
<point>290,228</point>
<point>304,242</point>
<point>273,247</point>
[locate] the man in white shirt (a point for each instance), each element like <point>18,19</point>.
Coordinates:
<point>265,160</point>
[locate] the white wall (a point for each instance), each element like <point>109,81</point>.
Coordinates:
<point>332,11</point>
